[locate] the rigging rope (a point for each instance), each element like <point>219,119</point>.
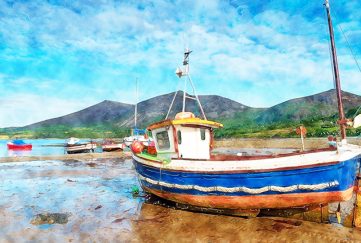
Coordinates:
<point>347,41</point>
<point>171,104</point>
<point>349,46</point>
<point>354,115</point>
<point>174,97</point>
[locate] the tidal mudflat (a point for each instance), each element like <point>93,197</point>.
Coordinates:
<point>96,199</point>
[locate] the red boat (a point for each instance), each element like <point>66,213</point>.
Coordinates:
<point>19,145</point>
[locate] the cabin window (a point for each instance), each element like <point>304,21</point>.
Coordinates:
<point>203,134</point>
<point>163,140</point>
<point>179,137</point>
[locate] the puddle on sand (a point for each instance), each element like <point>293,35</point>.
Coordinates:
<point>103,208</point>
<point>50,218</point>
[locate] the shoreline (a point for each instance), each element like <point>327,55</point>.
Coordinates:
<point>83,156</point>
<point>232,143</point>
<point>283,143</point>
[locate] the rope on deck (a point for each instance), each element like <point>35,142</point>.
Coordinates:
<point>248,190</point>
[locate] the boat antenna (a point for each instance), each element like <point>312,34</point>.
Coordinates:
<point>342,121</point>
<point>185,73</point>
<point>136,103</point>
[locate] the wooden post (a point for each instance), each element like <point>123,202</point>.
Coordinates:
<point>303,144</point>
<point>301,130</point>
<point>357,214</point>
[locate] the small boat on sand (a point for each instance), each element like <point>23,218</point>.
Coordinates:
<point>110,145</point>
<point>19,144</point>
<point>74,146</point>
<point>138,135</point>
<point>183,168</point>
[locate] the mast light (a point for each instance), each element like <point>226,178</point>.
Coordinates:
<point>179,72</point>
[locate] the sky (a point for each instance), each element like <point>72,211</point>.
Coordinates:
<point>57,57</point>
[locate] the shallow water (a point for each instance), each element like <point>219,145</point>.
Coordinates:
<point>40,147</point>
<point>74,187</point>
<point>97,194</point>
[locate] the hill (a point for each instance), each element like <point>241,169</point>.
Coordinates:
<point>153,109</point>
<point>105,112</point>
<point>314,106</point>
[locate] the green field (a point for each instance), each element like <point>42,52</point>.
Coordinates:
<point>243,125</point>
<point>66,132</point>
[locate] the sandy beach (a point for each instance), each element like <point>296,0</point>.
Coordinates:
<point>93,195</point>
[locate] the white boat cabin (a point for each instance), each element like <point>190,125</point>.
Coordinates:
<point>185,137</point>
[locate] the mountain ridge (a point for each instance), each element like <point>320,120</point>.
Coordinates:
<point>322,104</point>
<point>216,107</point>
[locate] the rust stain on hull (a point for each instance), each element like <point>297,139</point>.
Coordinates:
<point>256,202</point>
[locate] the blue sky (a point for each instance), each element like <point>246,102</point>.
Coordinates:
<point>57,57</point>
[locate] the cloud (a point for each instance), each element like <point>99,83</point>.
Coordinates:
<point>24,109</point>
<point>259,53</point>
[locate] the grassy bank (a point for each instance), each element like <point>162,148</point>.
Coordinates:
<point>249,127</point>
<point>310,143</point>
<point>241,126</point>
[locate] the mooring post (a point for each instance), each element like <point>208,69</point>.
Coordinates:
<point>357,211</point>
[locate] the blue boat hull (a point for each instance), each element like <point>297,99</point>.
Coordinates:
<point>270,189</point>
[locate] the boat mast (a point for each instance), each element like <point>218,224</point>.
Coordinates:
<point>185,72</point>
<point>342,120</point>
<point>136,103</point>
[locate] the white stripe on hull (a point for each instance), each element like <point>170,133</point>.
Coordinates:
<point>281,189</point>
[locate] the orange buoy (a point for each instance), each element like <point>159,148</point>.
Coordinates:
<point>137,147</point>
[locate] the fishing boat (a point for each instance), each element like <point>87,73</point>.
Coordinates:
<point>137,134</point>
<point>140,135</point>
<point>74,146</point>
<point>110,145</point>
<point>19,144</point>
<point>184,170</point>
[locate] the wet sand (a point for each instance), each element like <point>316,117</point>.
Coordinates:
<point>97,196</point>
<point>83,156</point>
